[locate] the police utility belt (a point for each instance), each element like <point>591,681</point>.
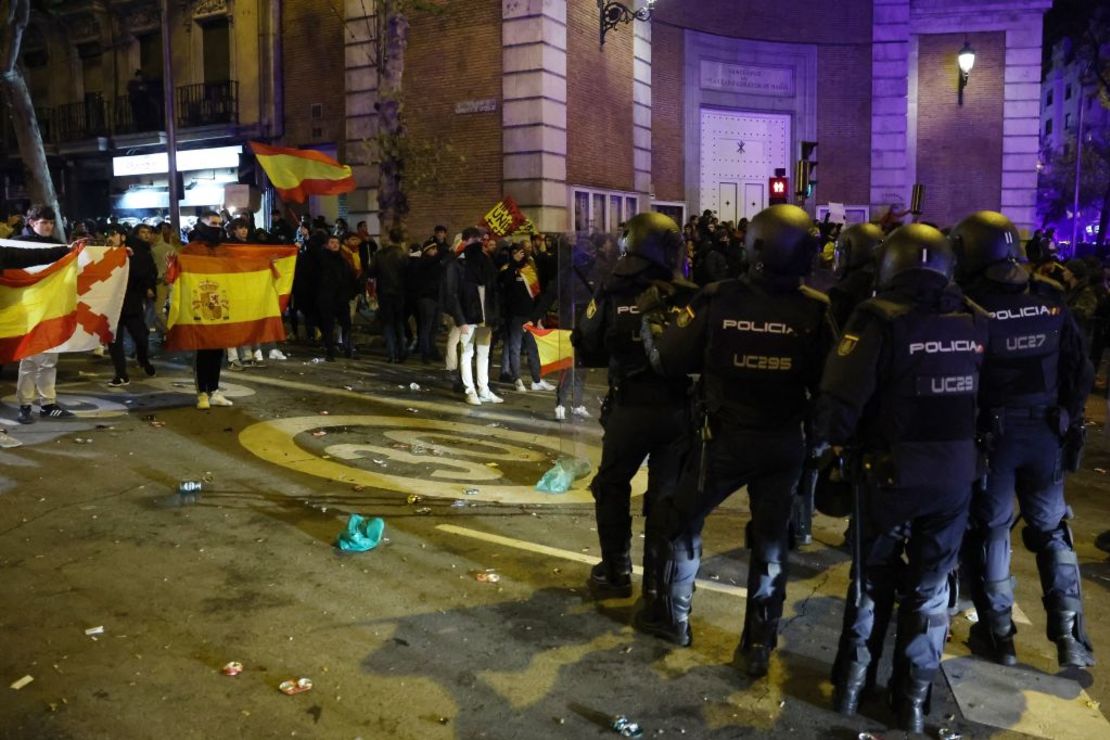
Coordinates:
<point>647,388</point>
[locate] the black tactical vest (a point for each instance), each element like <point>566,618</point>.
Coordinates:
<point>925,415</point>
<point>1023,354</point>
<point>762,353</point>
<point>622,336</point>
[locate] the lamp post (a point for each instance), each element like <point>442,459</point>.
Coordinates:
<point>612,14</point>
<point>966,60</point>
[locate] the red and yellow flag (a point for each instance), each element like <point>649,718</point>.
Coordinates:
<point>38,308</point>
<point>556,351</point>
<point>299,173</point>
<point>228,296</point>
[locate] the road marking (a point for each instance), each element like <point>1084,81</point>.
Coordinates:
<point>577,557</point>
<point>444,476</point>
<point>1023,700</point>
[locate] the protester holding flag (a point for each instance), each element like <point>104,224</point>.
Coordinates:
<point>141,278</point>
<point>38,373</point>
<point>208,361</point>
<point>520,285</point>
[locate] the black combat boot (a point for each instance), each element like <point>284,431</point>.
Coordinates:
<point>612,577</point>
<point>759,639</point>
<point>993,637</point>
<point>849,687</point>
<point>1065,628</point>
<point>668,618</point>
<point>910,702</point>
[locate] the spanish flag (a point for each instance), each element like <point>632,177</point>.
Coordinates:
<point>556,351</point>
<point>38,308</point>
<point>228,296</point>
<point>299,173</point>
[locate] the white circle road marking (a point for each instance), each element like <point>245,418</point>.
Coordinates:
<point>449,474</point>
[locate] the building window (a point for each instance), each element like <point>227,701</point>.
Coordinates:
<point>1067,92</point>
<point>217,50</point>
<point>1048,99</point>
<point>602,210</point>
<point>150,56</point>
<point>1068,123</point>
<point>675,209</point>
<point>1048,127</point>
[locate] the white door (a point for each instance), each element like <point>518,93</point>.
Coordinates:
<point>739,153</point>
<point>726,202</point>
<point>755,199</point>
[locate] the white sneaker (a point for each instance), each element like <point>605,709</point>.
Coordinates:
<point>235,366</point>
<point>580,411</point>
<point>489,396</point>
<point>202,402</point>
<point>542,385</point>
<point>519,385</point>
<point>219,399</point>
<point>472,399</point>
<point>560,413</point>
<point>277,354</point>
<point>258,358</point>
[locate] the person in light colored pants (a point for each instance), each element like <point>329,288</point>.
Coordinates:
<point>451,355</point>
<point>37,375</point>
<point>477,338</point>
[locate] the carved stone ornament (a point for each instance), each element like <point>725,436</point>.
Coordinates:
<point>207,8</point>
<point>142,17</point>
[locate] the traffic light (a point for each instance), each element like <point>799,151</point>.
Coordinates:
<point>809,155</point>
<point>779,190</point>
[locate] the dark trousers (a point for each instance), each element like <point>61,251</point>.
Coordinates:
<point>913,558</point>
<point>136,327</point>
<point>391,315</point>
<point>658,432</point>
<point>769,463</point>
<point>208,363</point>
<point>428,314</point>
<point>329,317</point>
<point>1026,461</point>
<point>518,340</point>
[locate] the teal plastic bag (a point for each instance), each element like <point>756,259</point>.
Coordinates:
<point>361,534</point>
<point>562,475</point>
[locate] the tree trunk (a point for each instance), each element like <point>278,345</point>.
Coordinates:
<point>393,205</point>
<point>18,99</point>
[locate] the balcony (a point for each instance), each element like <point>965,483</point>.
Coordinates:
<point>206,104</point>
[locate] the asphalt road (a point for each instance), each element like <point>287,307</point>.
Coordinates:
<point>405,641</point>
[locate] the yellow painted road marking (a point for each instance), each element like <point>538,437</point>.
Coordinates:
<point>577,557</point>
<point>275,442</point>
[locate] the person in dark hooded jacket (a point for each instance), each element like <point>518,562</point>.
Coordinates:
<point>470,289</point>
<point>336,285</point>
<point>142,277</point>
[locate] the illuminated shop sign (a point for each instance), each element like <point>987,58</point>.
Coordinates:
<point>187,161</point>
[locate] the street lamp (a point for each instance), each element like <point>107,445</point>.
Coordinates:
<point>613,14</point>
<point>966,60</point>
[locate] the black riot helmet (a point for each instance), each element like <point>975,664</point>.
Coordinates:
<point>650,239</point>
<point>857,246</point>
<point>987,243</point>
<point>915,248</point>
<point>783,240</point>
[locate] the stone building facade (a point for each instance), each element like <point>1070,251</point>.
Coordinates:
<point>698,107</point>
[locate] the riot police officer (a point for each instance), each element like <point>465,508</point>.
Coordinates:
<point>759,343</point>
<point>644,414</point>
<point>1035,380</point>
<point>900,390</point>
<point>855,257</point>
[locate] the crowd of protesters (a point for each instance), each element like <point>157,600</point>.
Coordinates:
<point>470,293</point>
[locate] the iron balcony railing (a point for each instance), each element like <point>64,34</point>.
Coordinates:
<point>204,104</point>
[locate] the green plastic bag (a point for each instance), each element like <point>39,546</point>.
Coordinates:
<point>361,534</point>
<point>562,475</point>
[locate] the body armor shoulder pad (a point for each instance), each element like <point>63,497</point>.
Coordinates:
<point>975,309</point>
<point>814,295</point>
<point>884,309</point>
<point>1046,288</point>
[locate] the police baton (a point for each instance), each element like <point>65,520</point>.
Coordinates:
<point>857,528</point>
